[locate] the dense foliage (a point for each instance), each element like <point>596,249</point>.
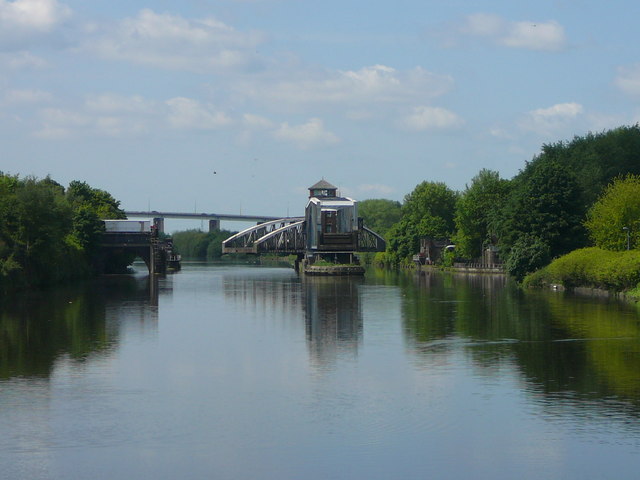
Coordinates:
<point>591,267</point>
<point>477,212</point>
<point>428,211</point>
<point>197,244</point>
<point>380,214</point>
<point>548,209</point>
<point>597,158</point>
<point>49,234</point>
<point>616,214</point>
<point>544,212</point>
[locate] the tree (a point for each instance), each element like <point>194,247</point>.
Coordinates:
<point>618,208</point>
<point>380,214</point>
<point>427,211</point>
<point>544,204</point>
<point>100,201</point>
<point>528,254</point>
<point>198,244</point>
<point>47,235</point>
<point>597,158</point>
<point>476,213</point>
<point>431,200</point>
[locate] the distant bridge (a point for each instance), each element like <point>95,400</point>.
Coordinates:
<point>289,236</point>
<point>213,218</point>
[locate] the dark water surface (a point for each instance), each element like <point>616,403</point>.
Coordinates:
<point>253,373</point>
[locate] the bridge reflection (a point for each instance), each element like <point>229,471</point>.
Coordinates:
<point>333,317</point>
<point>331,308</point>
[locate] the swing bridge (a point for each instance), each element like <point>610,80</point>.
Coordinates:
<point>289,236</point>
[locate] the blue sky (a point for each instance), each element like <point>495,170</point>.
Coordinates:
<point>148,100</point>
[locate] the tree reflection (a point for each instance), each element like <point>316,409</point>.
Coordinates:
<point>38,327</point>
<point>563,345</point>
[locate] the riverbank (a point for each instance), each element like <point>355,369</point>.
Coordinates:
<point>592,271</point>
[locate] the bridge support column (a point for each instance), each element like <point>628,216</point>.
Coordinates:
<point>214,225</point>
<point>158,222</point>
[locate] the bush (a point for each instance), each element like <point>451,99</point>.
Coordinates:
<point>591,267</point>
<point>527,255</point>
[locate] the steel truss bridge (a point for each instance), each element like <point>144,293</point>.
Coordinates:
<point>288,236</point>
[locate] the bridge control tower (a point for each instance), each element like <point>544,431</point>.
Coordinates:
<point>330,230</point>
<point>331,223</point>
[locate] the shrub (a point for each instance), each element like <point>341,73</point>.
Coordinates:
<point>591,267</point>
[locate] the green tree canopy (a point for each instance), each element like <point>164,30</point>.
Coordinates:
<point>476,213</point>
<point>616,210</point>
<point>201,245</point>
<point>100,201</point>
<point>380,214</point>
<point>428,211</point>
<point>545,207</point>
<point>596,159</point>
<point>431,202</point>
<point>48,234</point>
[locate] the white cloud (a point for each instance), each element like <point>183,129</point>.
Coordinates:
<point>105,114</point>
<point>540,36</point>
<point>373,84</point>
<point>307,135</point>
<point>173,42</point>
<point>428,118</point>
<point>628,80</point>
<point>531,35</point>
<point>40,15</point>
<point>112,103</point>
<point>256,121</point>
<point>28,96</point>
<point>62,124</point>
<point>483,25</point>
<point>21,61</point>
<point>553,119</point>
<point>58,123</point>
<point>186,113</point>
<point>23,20</point>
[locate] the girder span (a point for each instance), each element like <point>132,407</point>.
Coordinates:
<point>288,239</point>
<point>259,238</point>
<point>370,241</point>
<point>288,235</point>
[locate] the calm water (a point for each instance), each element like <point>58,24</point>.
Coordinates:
<point>253,373</point>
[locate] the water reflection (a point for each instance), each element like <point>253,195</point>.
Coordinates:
<point>331,308</point>
<point>333,317</point>
<point>583,350</point>
<point>37,328</point>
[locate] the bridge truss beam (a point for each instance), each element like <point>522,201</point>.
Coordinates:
<point>285,235</point>
<point>288,236</point>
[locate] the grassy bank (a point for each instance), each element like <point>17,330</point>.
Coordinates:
<point>593,268</point>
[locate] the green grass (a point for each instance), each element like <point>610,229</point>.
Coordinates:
<point>591,267</point>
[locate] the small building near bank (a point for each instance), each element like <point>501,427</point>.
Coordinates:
<point>332,220</point>
<point>431,250</point>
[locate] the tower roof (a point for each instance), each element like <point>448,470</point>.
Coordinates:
<point>323,185</point>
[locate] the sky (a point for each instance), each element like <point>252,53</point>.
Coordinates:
<point>238,106</point>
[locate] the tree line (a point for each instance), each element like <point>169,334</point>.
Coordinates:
<point>574,194</point>
<point>196,244</point>
<point>48,233</point>
<point>562,200</point>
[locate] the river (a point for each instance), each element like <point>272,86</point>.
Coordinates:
<point>236,372</point>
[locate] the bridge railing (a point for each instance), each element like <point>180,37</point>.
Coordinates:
<point>287,239</point>
<point>288,235</point>
<point>370,241</point>
<point>246,240</point>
